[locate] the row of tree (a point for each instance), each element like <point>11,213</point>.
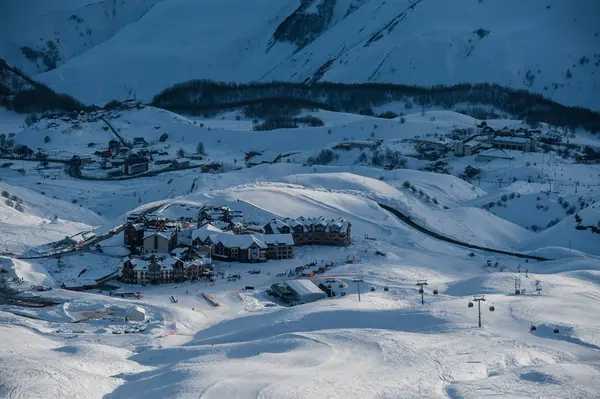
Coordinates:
<point>198,95</point>
<point>22,94</point>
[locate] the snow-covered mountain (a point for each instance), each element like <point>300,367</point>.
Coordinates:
<point>103,50</point>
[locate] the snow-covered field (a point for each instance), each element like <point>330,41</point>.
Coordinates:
<point>387,345</point>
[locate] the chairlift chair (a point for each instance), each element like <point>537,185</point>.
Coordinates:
<point>421,290</point>
<point>372,289</point>
<point>532,328</point>
<point>492,308</point>
<point>556,331</point>
<point>435,291</point>
<point>471,304</point>
<point>386,289</point>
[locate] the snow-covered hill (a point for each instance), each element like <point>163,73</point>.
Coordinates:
<point>250,345</point>
<point>103,50</point>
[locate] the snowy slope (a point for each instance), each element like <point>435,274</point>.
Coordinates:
<point>145,46</point>
<point>43,219</point>
<point>564,234</point>
<point>40,35</point>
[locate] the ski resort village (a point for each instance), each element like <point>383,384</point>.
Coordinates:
<point>300,199</point>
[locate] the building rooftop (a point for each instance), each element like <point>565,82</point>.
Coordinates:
<point>267,156</point>
<point>304,287</point>
<point>512,139</point>
<point>500,154</point>
<point>276,239</point>
<point>237,241</point>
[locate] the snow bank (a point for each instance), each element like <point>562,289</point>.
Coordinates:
<point>31,273</point>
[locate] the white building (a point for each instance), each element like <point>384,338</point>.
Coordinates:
<point>305,291</point>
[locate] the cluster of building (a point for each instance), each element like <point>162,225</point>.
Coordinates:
<point>181,264</point>
<point>171,251</point>
<point>125,158</point>
<point>485,142</point>
<point>489,139</point>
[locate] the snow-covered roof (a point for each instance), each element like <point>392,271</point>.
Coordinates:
<point>139,263</point>
<point>304,288</point>
<point>181,160</point>
<point>512,139</point>
<point>180,251</point>
<point>254,227</point>
<point>237,241</point>
<point>276,239</point>
<point>205,231</point>
<point>220,224</point>
<point>237,219</point>
<point>168,263</point>
<point>500,154</point>
<point>337,224</point>
<point>164,234</point>
<point>268,156</point>
<point>277,224</point>
<point>79,282</point>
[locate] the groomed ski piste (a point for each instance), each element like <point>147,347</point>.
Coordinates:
<point>252,346</point>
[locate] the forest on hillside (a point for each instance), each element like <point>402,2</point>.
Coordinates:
<point>206,96</point>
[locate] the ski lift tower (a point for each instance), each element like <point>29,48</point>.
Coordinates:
<point>517,285</point>
<point>478,299</point>
<point>358,281</point>
<point>421,284</point>
<point>538,288</point>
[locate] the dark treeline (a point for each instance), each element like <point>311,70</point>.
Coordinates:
<point>21,94</point>
<point>198,95</point>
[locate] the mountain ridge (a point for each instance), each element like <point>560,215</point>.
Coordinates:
<point>549,49</point>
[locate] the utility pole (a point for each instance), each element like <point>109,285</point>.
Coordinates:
<point>537,287</point>
<point>478,299</point>
<point>576,186</point>
<point>358,281</point>
<point>421,283</point>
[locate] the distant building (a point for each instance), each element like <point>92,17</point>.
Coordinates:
<point>265,157</point>
<point>164,270</point>
<point>160,242</point>
<point>212,214</point>
<point>211,168</point>
<point>516,143</point>
<point>281,291</point>
<point>239,248</point>
<point>313,231</point>
<point>304,290</point>
<point>180,163</point>
<point>135,165</point>
<point>133,234</point>
<point>279,246</point>
<point>472,172</point>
